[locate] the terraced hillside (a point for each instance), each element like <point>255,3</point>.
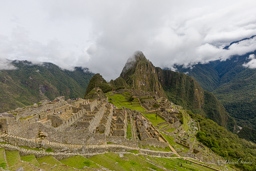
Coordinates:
<point>139,149</point>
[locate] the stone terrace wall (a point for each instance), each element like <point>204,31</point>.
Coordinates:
<point>108,124</point>
<point>122,140</point>
<point>24,128</point>
<point>69,137</point>
<point>75,117</point>
<point>96,120</point>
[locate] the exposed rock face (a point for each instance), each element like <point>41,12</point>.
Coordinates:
<point>140,73</point>
<point>180,87</point>
<point>185,91</point>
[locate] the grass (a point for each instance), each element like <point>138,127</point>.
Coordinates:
<point>31,159</point>
<point>3,163</point>
<point>49,150</point>
<point>13,157</point>
<point>178,164</point>
<point>129,131</point>
<point>186,118</point>
<point>170,130</point>
<point>49,160</point>
<point>78,162</point>
<point>134,152</point>
<point>174,144</point>
<point>112,161</point>
<point>154,119</point>
<point>26,166</point>
<point>120,101</point>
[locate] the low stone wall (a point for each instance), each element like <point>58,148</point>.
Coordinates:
<point>24,128</point>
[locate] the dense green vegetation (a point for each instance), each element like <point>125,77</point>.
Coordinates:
<point>30,83</point>
<point>186,92</point>
<point>234,85</point>
<point>226,144</point>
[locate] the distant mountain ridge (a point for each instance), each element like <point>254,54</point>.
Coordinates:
<point>234,85</point>
<point>30,83</point>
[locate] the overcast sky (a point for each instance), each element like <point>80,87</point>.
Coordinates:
<point>102,35</point>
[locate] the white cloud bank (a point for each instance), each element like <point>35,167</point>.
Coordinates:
<point>252,63</point>
<point>102,35</point>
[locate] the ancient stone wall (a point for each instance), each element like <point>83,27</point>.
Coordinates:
<point>24,128</point>
<point>108,124</point>
<point>96,120</point>
<point>75,117</point>
<point>121,140</point>
<point>3,125</point>
<point>55,120</point>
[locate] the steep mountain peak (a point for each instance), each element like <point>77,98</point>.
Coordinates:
<point>140,73</point>
<point>132,61</point>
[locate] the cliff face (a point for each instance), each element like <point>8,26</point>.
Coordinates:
<point>140,73</point>
<point>182,89</point>
<point>185,91</point>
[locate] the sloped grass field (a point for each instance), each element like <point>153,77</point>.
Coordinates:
<point>113,161</point>
<point>177,164</point>
<point>78,162</point>
<point>13,157</point>
<point>49,160</point>
<point>31,159</point>
<point>154,119</point>
<point>3,163</point>
<point>121,100</point>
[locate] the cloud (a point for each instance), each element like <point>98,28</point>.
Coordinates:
<point>102,35</point>
<point>252,63</point>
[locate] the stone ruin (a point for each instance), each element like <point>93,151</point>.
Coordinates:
<point>80,121</point>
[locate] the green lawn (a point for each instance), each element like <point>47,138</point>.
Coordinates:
<point>120,101</point>
<point>78,162</point>
<point>49,160</point>
<point>178,164</point>
<point>31,159</point>
<point>3,163</point>
<point>154,119</point>
<point>112,161</point>
<point>13,157</point>
<point>26,166</point>
<point>170,130</point>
